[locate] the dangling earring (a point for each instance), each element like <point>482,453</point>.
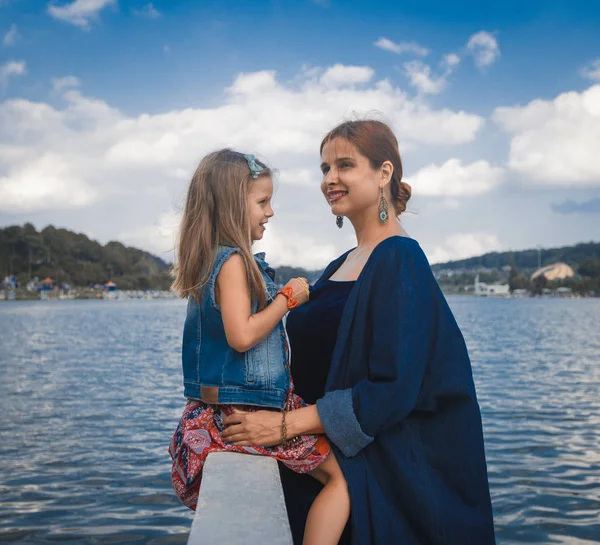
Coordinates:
<point>383,208</point>
<point>339,221</point>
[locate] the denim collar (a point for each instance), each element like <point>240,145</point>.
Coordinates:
<point>260,259</point>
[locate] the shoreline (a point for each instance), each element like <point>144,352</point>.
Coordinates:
<point>9,296</point>
<point>170,297</point>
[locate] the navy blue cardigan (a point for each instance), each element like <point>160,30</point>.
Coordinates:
<point>400,409</point>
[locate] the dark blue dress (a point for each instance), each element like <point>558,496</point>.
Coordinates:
<point>312,330</point>
<point>400,408</point>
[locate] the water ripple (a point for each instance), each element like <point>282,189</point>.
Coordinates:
<point>90,393</point>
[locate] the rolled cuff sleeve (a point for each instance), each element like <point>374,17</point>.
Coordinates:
<point>341,426</point>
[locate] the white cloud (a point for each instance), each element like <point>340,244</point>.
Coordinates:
<point>148,11</point>
<point>300,177</point>
<point>10,69</point>
<point>307,251</point>
<point>484,48</point>
<point>441,206</point>
<point>159,238</point>
<point>254,82</point>
<point>10,38</point>
<point>556,141</point>
<point>463,246</point>
<point>282,249</point>
<point>79,12</point>
<point>58,84</point>
<point>263,115</point>
<point>42,183</point>
<point>451,60</point>
<point>23,122</point>
<point>453,179</point>
<point>339,76</point>
<point>97,158</point>
<point>421,76</point>
<point>592,70</point>
<point>401,47</point>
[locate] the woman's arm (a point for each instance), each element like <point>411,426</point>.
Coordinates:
<point>401,320</point>
<point>263,428</point>
<point>242,328</point>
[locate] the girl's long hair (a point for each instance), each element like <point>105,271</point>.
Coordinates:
<point>216,213</point>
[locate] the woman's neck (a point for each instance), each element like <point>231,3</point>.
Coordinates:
<point>370,234</point>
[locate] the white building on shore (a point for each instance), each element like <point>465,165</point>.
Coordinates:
<point>490,290</point>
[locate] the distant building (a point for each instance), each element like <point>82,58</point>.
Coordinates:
<point>556,271</point>
<point>10,282</point>
<point>564,292</point>
<point>490,290</point>
<point>520,293</point>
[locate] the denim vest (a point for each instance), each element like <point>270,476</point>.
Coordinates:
<point>216,373</point>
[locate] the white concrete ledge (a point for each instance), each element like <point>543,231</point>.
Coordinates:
<point>241,502</point>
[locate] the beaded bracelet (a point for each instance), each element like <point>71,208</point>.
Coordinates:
<point>287,293</point>
<point>284,432</point>
<point>305,286</point>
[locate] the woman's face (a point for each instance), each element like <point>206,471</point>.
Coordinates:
<point>350,185</point>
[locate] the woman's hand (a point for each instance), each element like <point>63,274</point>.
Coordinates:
<point>260,428</point>
<point>300,289</point>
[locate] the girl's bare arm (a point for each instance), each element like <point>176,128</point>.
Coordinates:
<point>242,328</point>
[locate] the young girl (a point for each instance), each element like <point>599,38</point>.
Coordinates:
<point>235,352</point>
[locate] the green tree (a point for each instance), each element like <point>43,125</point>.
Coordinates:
<point>74,258</point>
<point>590,267</point>
<point>538,284</point>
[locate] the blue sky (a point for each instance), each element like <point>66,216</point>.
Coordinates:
<point>107,106</point>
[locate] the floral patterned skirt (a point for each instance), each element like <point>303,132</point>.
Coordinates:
<point>199,433</point>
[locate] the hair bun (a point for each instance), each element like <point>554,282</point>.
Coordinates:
<point>407,189</point>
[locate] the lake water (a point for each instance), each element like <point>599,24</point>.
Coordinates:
<point>90,393</point>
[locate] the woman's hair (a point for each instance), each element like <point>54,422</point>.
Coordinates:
<point>376,141</point>
<point>216,213</point>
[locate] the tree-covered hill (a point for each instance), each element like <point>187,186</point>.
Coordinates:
<point>516,269</point>
<point>527,259</point>
<point>73,258</point>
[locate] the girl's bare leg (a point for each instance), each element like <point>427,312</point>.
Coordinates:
<point>330,510</point>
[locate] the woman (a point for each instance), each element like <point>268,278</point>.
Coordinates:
<point>398,402</point>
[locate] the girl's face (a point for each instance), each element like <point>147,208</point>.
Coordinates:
<point>350,185</point>
<point>259,206</point>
